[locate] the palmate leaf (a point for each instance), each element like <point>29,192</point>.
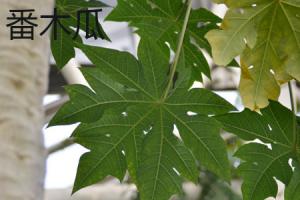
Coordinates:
<point>162,21</point>
<point>63,47</point>
<point>266,35</point>
<point>274,126</point>
<point>127,124</point>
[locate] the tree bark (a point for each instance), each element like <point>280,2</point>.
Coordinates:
<point>23,83</point>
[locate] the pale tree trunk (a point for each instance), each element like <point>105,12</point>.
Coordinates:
<point>23,83</point>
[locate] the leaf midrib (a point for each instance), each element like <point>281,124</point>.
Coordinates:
<point>122,74</point>
<point>266,168</point>
<point>199,139</point>
<point>242,26</point>
<point>116,144</point>
<point>259,136</point>
<point>107,85</point>
<point>105,103</point>
<point>262,66</point>
<point>160,154</point>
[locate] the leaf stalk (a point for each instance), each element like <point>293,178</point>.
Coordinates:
<point>179,48</point>
<point>294,116</point>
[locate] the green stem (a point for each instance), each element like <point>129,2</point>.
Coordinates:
<point>294,116</point>
<point>179,48</point>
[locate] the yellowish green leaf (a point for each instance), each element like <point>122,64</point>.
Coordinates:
<point>265,34</point>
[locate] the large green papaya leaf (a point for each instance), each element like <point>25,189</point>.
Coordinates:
<point>265,33</point>
<point>162,21</point>
<point>128,122</point>
<point>275,127</point>
<point>63,46</point>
